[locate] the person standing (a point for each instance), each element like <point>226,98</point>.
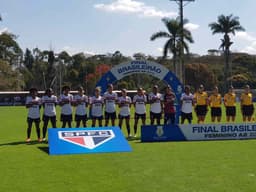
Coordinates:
<point>33,105</point>
<point>247,107</point>
<point>215,101</point>
<point>96,107</point>
<point>124,110</point>
<point>169,108</point>
<point>230,104</point>
<point>65,102</point>
<point>201,101</point>
<point>80,102</point>
<point>49,102</point>
<point>110,99</point>
<point>139,102</point>
<point>155,100</point>
<point>187,102</point>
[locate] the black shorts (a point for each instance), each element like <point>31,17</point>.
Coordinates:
<point>187,116</point>
<point>123,117</point>
<point>30,120</point>
<point>65,117</point>
<point>169,117</point>
<point>155,115</point>
<point>201,110</point>
<point>96,117</point>
<point>110,115</point>
<point>80,117</point>
<point>231,111</point>
<point>215,111</point>
<point>142,116</point>
<point>47,118</point>
<point>247,110</point>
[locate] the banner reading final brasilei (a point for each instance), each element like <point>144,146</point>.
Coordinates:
<point>198,132</point>
<point>219,131</point>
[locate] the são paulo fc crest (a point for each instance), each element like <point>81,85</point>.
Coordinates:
<point>88,139</point>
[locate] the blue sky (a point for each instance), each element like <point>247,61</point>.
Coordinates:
<point>104,26</point>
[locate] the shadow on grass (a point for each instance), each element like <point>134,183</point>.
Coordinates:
<point>22,143</point>
<point>44,149</point>
<point>133,139</point>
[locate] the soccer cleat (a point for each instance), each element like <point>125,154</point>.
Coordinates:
<point>44,140</point>
<point>39,140</point>
<point>135,136</point>
<point>28,140</point>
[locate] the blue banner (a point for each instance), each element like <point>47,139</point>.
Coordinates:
<point>86,140</point>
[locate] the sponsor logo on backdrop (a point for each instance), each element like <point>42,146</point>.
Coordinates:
<point>87,139</point>
<point>159,131</point>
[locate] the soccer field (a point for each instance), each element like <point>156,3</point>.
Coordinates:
<point>167,166</point>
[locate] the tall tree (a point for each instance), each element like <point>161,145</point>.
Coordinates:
<point>10,50</point>
<point>173,35</point>
<point>28,59</point>
<point>226,25</point>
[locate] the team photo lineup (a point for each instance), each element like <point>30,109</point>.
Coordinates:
<point>105,106</point>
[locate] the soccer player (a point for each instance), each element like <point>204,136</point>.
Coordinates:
<point>169,108</point>
<point>65,102</point>
<point>215,104</point>
<point>155,100</point>
<point>33,104</point>
<point>139,102</point>
<point>124,113</point>
<point>201,101</point>
<point>110,99</point>
<point>247,107</point>
<point>230,104</point>
<point>187,102</point>
<point>80,101</point>
<point>49,102</point>
<point>96,107</point>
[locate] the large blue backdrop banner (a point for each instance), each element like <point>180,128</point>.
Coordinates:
<point>143,67</point>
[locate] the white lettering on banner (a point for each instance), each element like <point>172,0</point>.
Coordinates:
<point>219,131</point>
<point>133,67</point>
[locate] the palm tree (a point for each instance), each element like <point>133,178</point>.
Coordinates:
<point>173,44</point>
<point>226,25</point>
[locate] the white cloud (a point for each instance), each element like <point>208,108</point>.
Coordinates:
<point>251,49</point>
<point>160,49</point>
<point>134,7</point>
<point>4,30</point>
<point>244,36</point>
<point>72,51</point>
<point>191,26</point>
<point>248,39</point>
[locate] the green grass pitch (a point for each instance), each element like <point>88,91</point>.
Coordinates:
<point>214,166</point>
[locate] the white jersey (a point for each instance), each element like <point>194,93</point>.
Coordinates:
<point>155,102</point>
<point>66,109</point>
<point>187,102</point>
<point>49,104</point>
<point>110,102</point>
<point>140,104</point>
<point>124,103</point>
<point>96,106</point>
<point>81,102</point>
<point>34,110</point>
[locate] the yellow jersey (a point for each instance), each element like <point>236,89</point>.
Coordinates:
<point>215,100</point>
<point>246,99</point>
<point>230,99</point>
<point>201,98</point>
